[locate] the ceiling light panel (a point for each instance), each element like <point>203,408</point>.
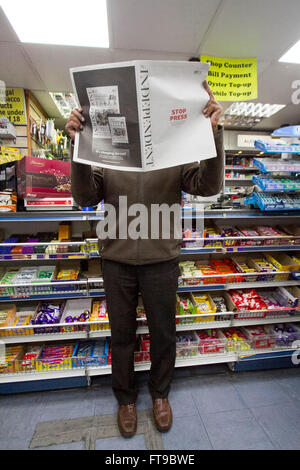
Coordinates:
<point>59,22</point>
<point>292,56</point>
<point>65,102</point>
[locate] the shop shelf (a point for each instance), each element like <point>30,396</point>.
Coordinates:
<point>276,184</point>
<point>270,148</point>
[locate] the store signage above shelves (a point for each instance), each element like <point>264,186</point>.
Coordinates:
<point>14,106</point>
<point>232,79</point>
<point>247,141</point>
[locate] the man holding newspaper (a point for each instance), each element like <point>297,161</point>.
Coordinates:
<point>147,266</point>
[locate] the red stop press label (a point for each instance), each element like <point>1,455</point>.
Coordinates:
<point>178,115</point>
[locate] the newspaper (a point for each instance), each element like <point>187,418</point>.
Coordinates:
<point>142,115</point>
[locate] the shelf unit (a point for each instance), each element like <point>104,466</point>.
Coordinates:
<point>92,288</point>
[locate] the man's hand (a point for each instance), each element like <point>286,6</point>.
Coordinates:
<point>213,109</point>
<point>74,123</point>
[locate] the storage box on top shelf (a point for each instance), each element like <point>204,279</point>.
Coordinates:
<point>43,178</point>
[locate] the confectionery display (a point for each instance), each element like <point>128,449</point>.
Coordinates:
<point>211,342</point>
<point>55,357</point>
<point>187,345</point>
<point>260,336</point>
<point>13,354</point>
<point>286,334</point>
<point>236,340</point>
<point>48,314</point>
<point>99,314</point>
<point>205,305</point>
<point>185,306</point>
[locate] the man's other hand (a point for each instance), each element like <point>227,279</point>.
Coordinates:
<point>75,123</point>
<point>213,109</point>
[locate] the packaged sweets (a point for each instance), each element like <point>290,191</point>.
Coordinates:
<point>205,305</point>
<point>285,334</point>
<point>48,313</point>
<point>7,316</point>
<point>22,318</point>
<point>99,314</point>
<point>260,336</point>
<point>32,353</point>
<point>55,356</point>
<point>236,340</point>
<point>185,306</point>
<point>247,299</point>
<point>67,275</point>
<point>187,345</point>
<point>211,341</point>
<point>249,232</point>
<point>12,355</point>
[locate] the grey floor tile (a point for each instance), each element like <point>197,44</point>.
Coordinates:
<point>259,389</point>
<point>290,383</point>
<point>67,404</point>
<point>105,401</point>
<point>181,400</point>
<point>136,442</point>
<point>187,433</point>
<point>281,423</point>
<point>214,394</point>
<point>235,430</point>
<point>20,416</point>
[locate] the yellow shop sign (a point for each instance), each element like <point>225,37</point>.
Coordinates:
<point>13,106</point>
<point>232,79</point>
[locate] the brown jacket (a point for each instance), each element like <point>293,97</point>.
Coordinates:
<point>91,185</point>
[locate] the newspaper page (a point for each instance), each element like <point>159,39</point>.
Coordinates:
<point>108,96</point>
<point>142,115</point>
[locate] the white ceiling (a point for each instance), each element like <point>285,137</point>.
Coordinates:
<point>173,30</point>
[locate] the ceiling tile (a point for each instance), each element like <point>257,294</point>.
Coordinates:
<point>256,28</point>
<point>15,70</point>
<point>168,25</point>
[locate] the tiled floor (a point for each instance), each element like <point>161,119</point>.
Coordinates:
<point>212,407</point>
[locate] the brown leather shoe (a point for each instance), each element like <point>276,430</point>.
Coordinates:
<point>162,414</point>
<point>127,420</point>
